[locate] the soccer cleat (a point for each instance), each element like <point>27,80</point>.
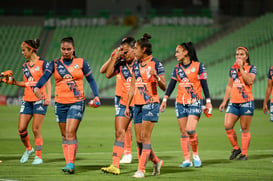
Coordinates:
<point>111,169</point>
<point>69,168</point>
<point>126,159</point>
<point>242,157</point>
<point>185,164</point>
<point>234,154</point>
<point>37,160</point>
<point>26,155</point>
<point>157,167</point>
<point>196,161</point>
<point>138,174</point>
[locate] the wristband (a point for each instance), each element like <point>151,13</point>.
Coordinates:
<point>164,99</point>
<point>158,79</point>
<point>208,100</point>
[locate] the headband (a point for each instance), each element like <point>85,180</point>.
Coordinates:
<point>243,49</point>
<point>25,44</point>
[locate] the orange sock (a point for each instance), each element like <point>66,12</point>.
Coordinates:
<point>117,152</point>
<point>245,142</point>
<point>38,147</point>
<point>72,146</point>
<point>128,140</point>
<point>145,155</point>
<point>25,139</point>
<point>139,150</point>
<point>65,150</point>
<point>232,138</point>
<point>185,146</point>
<point>194,142</point>
<point>153,157</point>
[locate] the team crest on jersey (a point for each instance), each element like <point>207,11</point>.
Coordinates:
<point>129,79</point>
<point>67,76</point>
<point>237,81</point>
<point>193,69</point>
<point>139,79</point>
<point>30,79</point>
<point>76,66</point>
<point>37,68</point>
<point>184,80</point>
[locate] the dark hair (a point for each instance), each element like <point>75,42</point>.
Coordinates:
<point>129,40</point>
<point>191,50</point>
<point>69,39</point>
<point>34,44</point>
<point>145,42</point>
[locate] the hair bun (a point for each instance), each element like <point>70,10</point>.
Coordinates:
<point>146,36</point>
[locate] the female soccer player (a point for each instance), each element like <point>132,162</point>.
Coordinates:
<point>241,105</point>
<point>127,153</point>
<point>192,78</point>
<point>123,67</point>
<point>31,106</point>
<point>147,74</point>
<point>267,94</point>
<point>69,71</point>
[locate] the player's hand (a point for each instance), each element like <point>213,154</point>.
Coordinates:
<point>38,93</point>
<point>47,101</point>
<point>265,109</point>
<point>209,107</point>
<point>127,112</point>
<point>97,99</point>
<point>222,107</point>
<point>163,106</point>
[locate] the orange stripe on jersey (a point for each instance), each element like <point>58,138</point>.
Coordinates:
<point>31,75</point>
<point>145,86</point>
<point>69,87</point>
<point>189,87</point>
<point>240,92</point>
<point>119,83</point>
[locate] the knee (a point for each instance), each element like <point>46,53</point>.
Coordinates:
<point>35,131</point>
<point>22,130</point>
<point>183,132</point>
<point>120,133</point>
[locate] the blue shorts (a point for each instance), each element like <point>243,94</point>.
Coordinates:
<point>184,110</point>
<point>69,111</point>
<point>121,109</point>
<point>31,108</point>
<point>271,111</point>
<point>117,100</point>
<point>241,109</point>
<point>147,112</point>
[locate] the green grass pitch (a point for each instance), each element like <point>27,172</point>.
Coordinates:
<point>96,138</point>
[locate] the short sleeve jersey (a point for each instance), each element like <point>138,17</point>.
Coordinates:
<point>270,78</point>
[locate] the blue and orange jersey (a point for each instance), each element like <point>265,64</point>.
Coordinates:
<point>69,80</point>
<point>125,75</point>
<point>189,76</point>
<point>31,75</point>
<point>240,92</point>
<point>270,77</point>
<point>145,85</point>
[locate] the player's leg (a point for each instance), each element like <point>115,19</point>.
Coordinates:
<point>231,117</point>
<point>191,130</point>
<point>127,153</point>
<point>26,113</point>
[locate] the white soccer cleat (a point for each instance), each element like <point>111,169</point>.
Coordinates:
<point>138,174</point>
<point>126,159</point>
<point>157,167</point>
<point>37,160</point>
<point>197,161</point>
<point>185,164</point>
<point>25,156</point>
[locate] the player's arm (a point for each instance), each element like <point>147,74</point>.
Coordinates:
<point>43,80</point>
<point>248,77</point>
<point>227,94</point>
<point>89,77</point>
<point>159,74</point>
<point>131,94</point>
<point>19,83</point>
<point>267,95</point>
<point>105,66</point>
<point>168,93</point>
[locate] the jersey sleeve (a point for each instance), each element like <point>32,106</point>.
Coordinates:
<point>270,73</point>
<point>202,72</point>
<point>45,65</point>
<point>173,76</point>
<point>159,68</point>
<point>253,70</point>
<point>50,67</point>
<point>86,68</point>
